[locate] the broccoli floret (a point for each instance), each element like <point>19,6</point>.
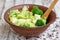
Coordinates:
<point>40,22</point>
<point>36,10</point>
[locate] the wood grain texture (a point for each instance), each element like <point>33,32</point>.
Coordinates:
<point>5,34</point>
<point>17,2</point>
<point>28,1</point>
<point>2,3</point>
<point>39,2</point>
<point>57,8</point>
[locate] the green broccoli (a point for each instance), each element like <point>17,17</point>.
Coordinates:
<point>40,22</point>
<point>36,10</point>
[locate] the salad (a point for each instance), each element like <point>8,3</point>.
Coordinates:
<point>26,18</point>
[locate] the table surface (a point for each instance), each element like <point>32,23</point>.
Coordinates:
<point>7,33</point>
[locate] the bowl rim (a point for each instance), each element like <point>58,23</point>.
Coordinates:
<point>25,27</point>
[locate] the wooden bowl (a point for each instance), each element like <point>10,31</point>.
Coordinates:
<point>29,32</point>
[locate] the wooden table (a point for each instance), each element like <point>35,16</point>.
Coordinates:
<point>6,32</point>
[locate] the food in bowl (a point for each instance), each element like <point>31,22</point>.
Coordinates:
<point>26,18</point>
<point>30,32</point>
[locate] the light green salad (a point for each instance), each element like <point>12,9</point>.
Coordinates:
<point>26,18</point>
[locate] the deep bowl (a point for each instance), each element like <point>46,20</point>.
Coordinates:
<point>29,32</point>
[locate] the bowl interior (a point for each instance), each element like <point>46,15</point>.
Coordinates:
<point>50,19</point>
